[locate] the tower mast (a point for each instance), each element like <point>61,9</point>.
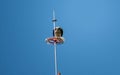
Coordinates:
<point>55,46</point>
<point>55,40</point>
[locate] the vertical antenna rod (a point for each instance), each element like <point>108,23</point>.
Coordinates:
<point>55,40</point>
<point>55,52</point>
<point>54,19</point>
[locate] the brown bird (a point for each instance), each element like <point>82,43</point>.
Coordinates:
<point>58,32</point>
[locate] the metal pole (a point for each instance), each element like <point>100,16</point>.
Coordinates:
<point>54,19</point>
<point>55,54</point>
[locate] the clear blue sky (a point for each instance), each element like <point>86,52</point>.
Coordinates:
<point>91,30</point>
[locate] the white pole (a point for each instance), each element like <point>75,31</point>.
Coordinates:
<point>54,19</point>
<point>55,52</point>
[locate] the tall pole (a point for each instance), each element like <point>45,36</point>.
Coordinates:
<point>55,52</point>
<point>55,40</point>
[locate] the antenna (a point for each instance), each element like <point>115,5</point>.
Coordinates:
<point>55,52</point>
<point>54,20</point>
<point>55,40</point>
<point>53,14</point>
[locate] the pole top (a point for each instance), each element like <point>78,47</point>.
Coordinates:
<point>54,19</point>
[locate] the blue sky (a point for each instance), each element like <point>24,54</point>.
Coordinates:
<point>91,32</point>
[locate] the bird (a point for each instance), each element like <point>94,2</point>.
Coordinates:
<point>58,32</point>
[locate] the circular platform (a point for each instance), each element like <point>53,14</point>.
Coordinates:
<point>55,40</point>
